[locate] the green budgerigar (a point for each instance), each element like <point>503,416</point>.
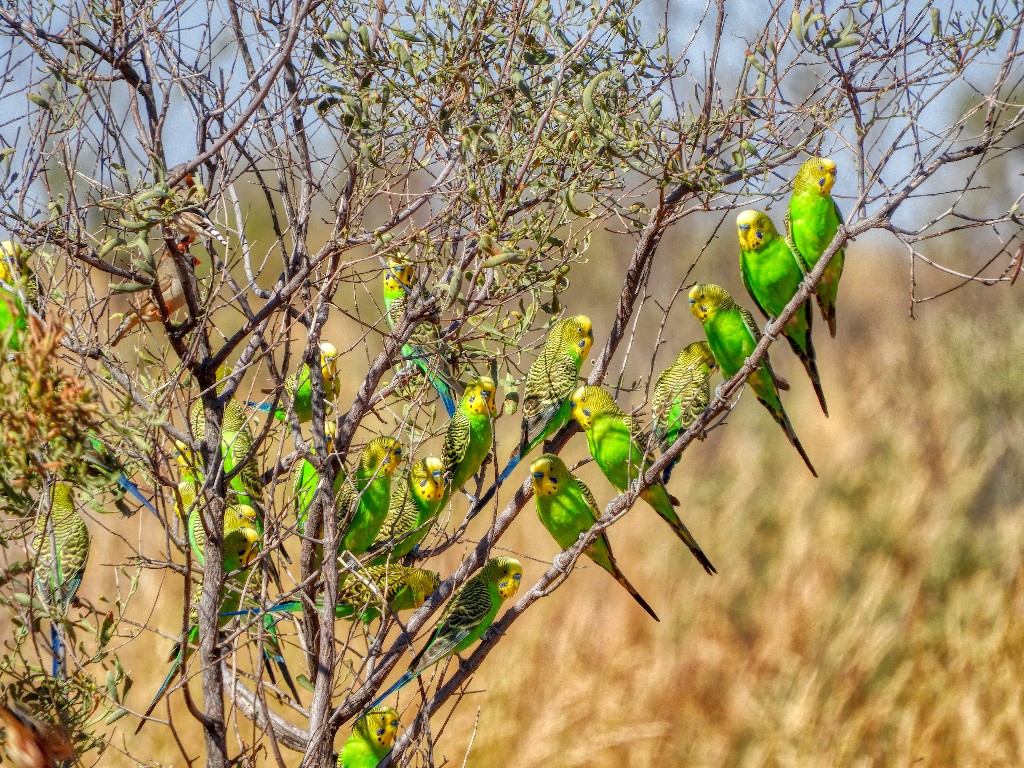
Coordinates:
<point>298,387</point>
<point>617,444</point>
<point>415,501</point>
<point>304,481</point>
<point>19,292</point>
<point>467,440</point>
<point>424,348</point>
<point>371,739</point>
<point>469,614</point>
<point>567,508</point>
<point>61,550</point>
<point>772,274</point>
<point>733,334</point>
<point>681,393</point>
<point>367,496</point>
<point>552,378</point>
<point>812,222</point>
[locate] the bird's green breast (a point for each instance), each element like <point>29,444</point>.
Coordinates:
<point>773,275</point>
<point>565,515</point>
<point>813,221</point>
<point>730,340</point>
<point>480,434</point>
<point>369,516</point>
<point>612,448</point>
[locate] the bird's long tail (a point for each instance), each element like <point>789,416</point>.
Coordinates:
<point>662,504</point>
<point>782,419</point>
<point>57,647</point>
<point>403,681</point>
<point>129,322</point>
<point>666,473</point>
<point>439,378</point>
<point>828,311</point>
<point>131,488</point>
<point>160,692</point>
<point>261,407</point>
<point>805,351</point>
<point>272,650</point>
<point>621,578</point>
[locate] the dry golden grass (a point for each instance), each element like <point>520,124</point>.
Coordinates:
<point>868,618</point>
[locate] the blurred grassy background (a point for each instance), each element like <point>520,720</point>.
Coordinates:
<point>867,618</point>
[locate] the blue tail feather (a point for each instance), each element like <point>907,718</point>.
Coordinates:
<point>403,681</point>
<point>58,650</point>
<point>131,488</point>
<point>291,606</point>
<point>163,687</point>
<point>513,462</point>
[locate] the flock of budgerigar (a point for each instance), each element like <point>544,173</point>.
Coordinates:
<point>383,517</point>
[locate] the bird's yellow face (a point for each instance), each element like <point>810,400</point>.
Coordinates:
<point>248,548</point>
<point>817,173</point>
<point>398,277</point>
<point>391,455</point>
<point>429,479</point>
<point>423,584</point>
<point>705,299</point>
<point>508,584</point>
<point>479,396</point>
<point>329,435</point>
<point>240,516</point>
<point>699,354</point>
<point>382,726</point>
<point>754,229</point>
<point>10,251</point>
<point>328,361</point>
<point>547,479</point>
<point>579,332</point>
<point>580,405</point>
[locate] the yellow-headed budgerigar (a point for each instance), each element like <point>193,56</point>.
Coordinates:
<point>364,500</point>
<point>552,378</point>
<point>812,222</point>
<point>415,501</point>
<point>298,387</point>
<point>469,614</point>
<point>467,440</point>
<point>424,347</point>
<point>772,274</point>
<point>681,393</point>
<point>618,446</point>
<point>567,508</point>
<point>304,481</point>
<point>733,334</point>
<point>371,739</point>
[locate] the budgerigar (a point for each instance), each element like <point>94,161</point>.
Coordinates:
<point>772,273</point>
<point>298,387</point>
<point>19,291</point>
<point>304,481</point>
<point>681,393</point>
<point>371,739</point>
<point>469,614</point>
<point>733,334</point>
<point>415,501</point>
<point>402,589</point>
<point>552,378</point>
<point>467,441</point>
<point>567,508</point>
<point>424,346</point>
<point>106,465</point>
<point>812,222</point>
<point>61,550</point>
<point>372,485</point>
<point>618,446</point>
